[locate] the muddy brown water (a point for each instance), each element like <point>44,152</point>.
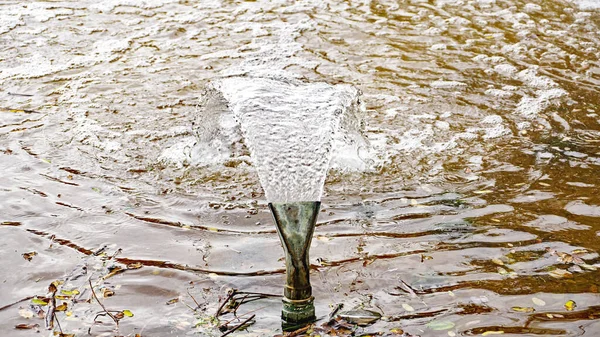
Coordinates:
<point>480,216</point>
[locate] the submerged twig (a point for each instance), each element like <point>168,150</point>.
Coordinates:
<point>230,295</point>
<point>102,305</point>
<point>17,302</point>
<point>193,299</point>
<point>238,326</point>
<point>17,94</point>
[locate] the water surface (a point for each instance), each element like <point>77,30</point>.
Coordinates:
<point>478,174</point>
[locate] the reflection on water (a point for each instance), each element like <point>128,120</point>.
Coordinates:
<point>476,213</point>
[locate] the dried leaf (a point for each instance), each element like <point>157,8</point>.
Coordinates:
<point>489,333</point>
<point>483,192</point>
<point>425,258</point>
<point>29,256</point>
<point>523,309</point>
<point>107,292</point>
<point>502,271</point>
<point>440,325</point>
<point>173,301</point>
<point>26,326</point>
<point>570,305</point>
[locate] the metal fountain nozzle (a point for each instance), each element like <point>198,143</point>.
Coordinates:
<point>295,223</point>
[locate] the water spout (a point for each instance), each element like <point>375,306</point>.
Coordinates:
<point>295,223</point>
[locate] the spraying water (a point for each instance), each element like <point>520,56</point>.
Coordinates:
<point>289,127</point>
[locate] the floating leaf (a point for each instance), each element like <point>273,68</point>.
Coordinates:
<point>29,256</point>
<point>538,301</point>
<point>407,307</point>
<point>440,325</point>
<point>40,301</point>
<point>107,292</point>
<point>425,258</point>
<point>96,189</point>
<point>213,229</point>
<point>397,331</point>
<point>62,307</point>
<point>498,261</point>
<point>69,292</point>
<point>127,313</point>
<point>173,301</point>
<point>523,309</point>
<point>483,192</point>
<point>570,305</point>
<point>26,326</point>
<point>489,333</point>
<point>502,271</point>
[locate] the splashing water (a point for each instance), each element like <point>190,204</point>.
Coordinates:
<point>289,127</point>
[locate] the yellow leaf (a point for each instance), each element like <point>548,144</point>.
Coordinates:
<point>483,192</point>
<point>39,301</point>
<point>570,305</point>
<point>69,292</point>
<point>62,307</point>
<point>523,309</point>
<point>489,333</point>
<point>127,313</point>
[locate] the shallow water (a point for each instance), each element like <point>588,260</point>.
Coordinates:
<point>480,171</point>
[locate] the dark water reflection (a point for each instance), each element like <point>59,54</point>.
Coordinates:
<point>488,174</point>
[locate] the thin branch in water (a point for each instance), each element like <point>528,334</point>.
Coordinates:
<point>17,94</point>
<point>102,305</point>
<point>224,325</point>
<point>238,326</point>
<point>58,323</point>
<point>17,302</point>
<point>193,299</point>
<point>230,295</point>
